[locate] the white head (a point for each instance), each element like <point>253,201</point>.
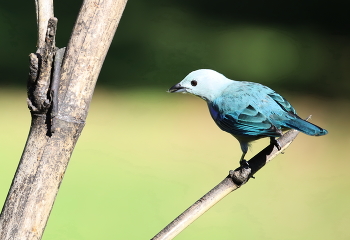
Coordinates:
<point>205,83</point>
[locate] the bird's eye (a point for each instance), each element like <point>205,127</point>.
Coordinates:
<point>194,83</point>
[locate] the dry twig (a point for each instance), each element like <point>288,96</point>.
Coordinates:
<point>233,181</point>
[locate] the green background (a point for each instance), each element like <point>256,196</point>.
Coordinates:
<point>146,155</point>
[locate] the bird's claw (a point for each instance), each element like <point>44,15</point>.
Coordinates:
<point>244,164</point>
<point>275,143</point>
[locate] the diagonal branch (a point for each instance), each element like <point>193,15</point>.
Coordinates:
<point>233,181</point>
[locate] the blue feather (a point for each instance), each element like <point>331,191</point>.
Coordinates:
<point>305,127</point>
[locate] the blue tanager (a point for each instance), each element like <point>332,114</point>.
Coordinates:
<point>247,110</point>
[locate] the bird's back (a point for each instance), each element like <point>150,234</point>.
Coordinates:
<point>252,109</point>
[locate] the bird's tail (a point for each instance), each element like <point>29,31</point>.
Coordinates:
<point>305,127</point>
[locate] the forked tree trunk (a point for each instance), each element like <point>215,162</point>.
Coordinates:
<point>59,104</point>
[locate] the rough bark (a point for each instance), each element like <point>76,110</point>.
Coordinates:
<point>53,134</point>
<point>44,11</point>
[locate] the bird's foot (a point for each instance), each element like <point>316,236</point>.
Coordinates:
<point>275,143</point>
<point>243,163</point>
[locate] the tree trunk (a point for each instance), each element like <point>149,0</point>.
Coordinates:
<point>56,126</point>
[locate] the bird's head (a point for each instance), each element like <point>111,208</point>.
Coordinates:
<point>204,83</point>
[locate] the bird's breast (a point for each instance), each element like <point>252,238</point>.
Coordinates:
<point>213,112</point>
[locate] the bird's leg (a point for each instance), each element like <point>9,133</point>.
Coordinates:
<point>242,162</point>
<point>275,143</point>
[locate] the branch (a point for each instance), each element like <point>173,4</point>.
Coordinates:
<point>47,153</point>
<point>44,11</point>
<point>233,181</point>
<point>40,72</point>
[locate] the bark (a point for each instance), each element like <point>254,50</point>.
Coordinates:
<point>56,126</point>
<point>44,11</point>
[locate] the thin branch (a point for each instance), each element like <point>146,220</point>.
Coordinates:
<point>233,181</point>
<point>44,11</point>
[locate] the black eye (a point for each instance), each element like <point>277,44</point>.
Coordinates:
<point>194,83</point>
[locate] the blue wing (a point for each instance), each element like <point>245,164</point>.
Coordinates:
<point>249,122</point>
<point>247,109</point>
<point>282,102</point>
<point>292,120</point>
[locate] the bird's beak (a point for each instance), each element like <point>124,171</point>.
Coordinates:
<point>177,88</point>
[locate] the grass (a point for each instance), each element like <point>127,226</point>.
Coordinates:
<point>145,156</point>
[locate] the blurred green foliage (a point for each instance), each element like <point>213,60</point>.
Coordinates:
<point>145,156</point>
<point>301,46</point>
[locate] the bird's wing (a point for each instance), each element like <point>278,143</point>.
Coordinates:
<point>246,108</point>
<point>282,102</point>
<point>245,121</point>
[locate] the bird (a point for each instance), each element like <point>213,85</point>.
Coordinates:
<point>248,111</point>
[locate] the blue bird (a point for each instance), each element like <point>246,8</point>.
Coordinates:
<point>248,111</point>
